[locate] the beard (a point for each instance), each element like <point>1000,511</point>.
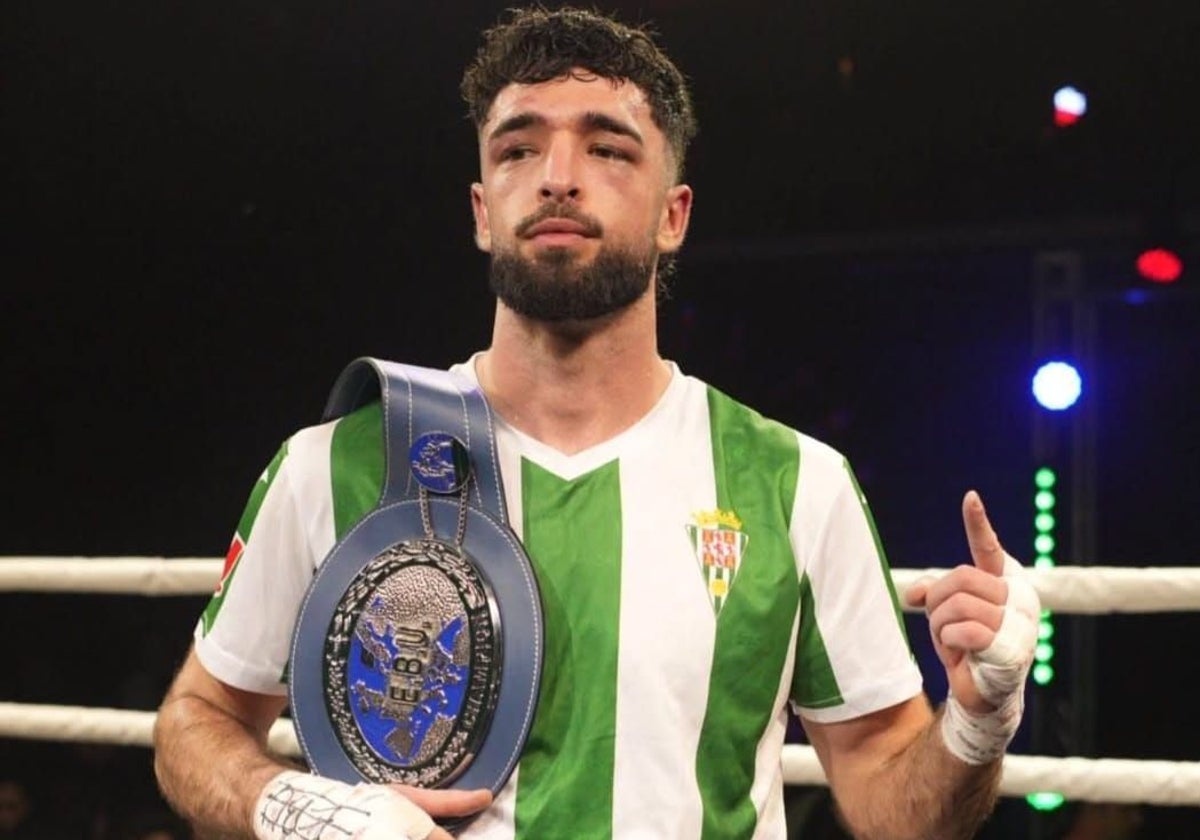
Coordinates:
<point>553,287</point>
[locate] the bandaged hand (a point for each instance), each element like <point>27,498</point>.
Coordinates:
<point>999,672</point>
<point>301,806</point>
<point>984,624</point>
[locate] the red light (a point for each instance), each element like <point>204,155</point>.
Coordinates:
<point>1159,265</point>
<point>1070,104</point>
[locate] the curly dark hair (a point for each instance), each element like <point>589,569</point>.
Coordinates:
<point>536,45</point>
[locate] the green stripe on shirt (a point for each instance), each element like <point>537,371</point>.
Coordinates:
<point>244,528</point>
<point>572,532</point>
<point>747,662</point>
<point>813,682</point>
<point>356,466</point>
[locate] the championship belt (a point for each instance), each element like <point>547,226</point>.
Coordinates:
<point>417,652</point>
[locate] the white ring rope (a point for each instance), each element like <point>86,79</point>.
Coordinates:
<point>1072,589</point>
<point>1083,779</point>
<point>1068,589</point>
<point>123,727</point>
<point>1080,779</point>
<point>113,575</point>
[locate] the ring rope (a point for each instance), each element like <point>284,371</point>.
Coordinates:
<point>1069,589</point>
<point>1081,779</point>
<point>122,727</point>
<point>111,575</point>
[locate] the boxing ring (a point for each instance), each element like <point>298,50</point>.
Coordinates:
<point>1081,590</point>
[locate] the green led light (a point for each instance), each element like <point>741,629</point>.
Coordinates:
<point>1044,478</point>
<point>1045,801</point>
<point>1044,523</point>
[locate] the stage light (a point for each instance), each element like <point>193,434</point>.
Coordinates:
<point>1057,386</point>
<point>1069,106</point>
<point>1044,524</point>
<point>1045,801</point>
<point>1159,265</point>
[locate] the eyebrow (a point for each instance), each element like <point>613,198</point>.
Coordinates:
<point>595,121</point>
<point>589,121</point>
<point>516,123</point>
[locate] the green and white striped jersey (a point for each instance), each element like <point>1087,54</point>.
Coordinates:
<point>698,572</point>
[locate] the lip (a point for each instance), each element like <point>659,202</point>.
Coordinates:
<point>557,228</point>
<point>557,239</point>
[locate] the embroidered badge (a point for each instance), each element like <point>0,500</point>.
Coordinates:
<point>718,543</point>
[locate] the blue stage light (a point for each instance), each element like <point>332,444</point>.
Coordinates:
<point>1057,386</point>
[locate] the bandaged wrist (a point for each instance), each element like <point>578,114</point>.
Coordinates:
<point>980,738</point>
<point>301,806</point>
<point>999,672</point>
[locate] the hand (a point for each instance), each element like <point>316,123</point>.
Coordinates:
<point>967,606</point>
<point>296,805</point>
<point>445,803</point>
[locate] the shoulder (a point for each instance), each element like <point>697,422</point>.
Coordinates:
<point>823,461</point>
<point>359,432</point>
<point>815,474</point>
<point>733,417</point>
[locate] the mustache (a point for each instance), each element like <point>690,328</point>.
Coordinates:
<point>592,226</point>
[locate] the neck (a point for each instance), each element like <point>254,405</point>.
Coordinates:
<point>572,386</point>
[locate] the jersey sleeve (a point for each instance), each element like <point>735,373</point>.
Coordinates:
<point>852,651</point>
<point>243,637</point>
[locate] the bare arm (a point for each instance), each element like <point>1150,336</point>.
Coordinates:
<point>892,777</point>
<point>905,772</point>
<point>210,750</point>
<point>212,764</point>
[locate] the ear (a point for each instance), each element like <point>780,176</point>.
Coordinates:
<point>483,230</point>
<point>676,213</point>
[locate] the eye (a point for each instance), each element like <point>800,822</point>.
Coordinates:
<point>516,153</point>
<point>610,153</point>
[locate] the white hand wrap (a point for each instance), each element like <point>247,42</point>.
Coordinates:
<point>999,672</point>
<point>301,806</point>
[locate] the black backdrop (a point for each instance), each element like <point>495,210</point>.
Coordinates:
<point>211,209</point>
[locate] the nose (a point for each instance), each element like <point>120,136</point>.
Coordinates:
<point>560,179</point>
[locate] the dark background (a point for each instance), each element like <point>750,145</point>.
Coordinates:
<point>211,208</point>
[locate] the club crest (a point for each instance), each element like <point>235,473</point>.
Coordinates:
<point>719,544</point>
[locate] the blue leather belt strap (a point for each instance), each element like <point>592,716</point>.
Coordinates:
<point>420,404</point>
<point>448,403</point>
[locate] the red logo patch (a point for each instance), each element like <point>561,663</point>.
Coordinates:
<point>234,554</point>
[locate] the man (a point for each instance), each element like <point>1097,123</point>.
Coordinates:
<point>665,693</point>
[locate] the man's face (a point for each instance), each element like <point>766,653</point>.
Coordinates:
<point>577,198</point>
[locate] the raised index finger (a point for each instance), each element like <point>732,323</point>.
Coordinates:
<point>986,550</point>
